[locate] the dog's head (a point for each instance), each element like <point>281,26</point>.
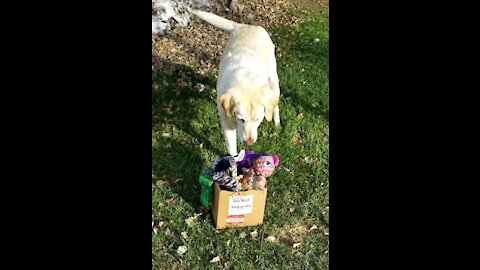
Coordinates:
<point>248,108</point>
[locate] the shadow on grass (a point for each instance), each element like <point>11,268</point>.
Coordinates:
<point>179,165</point>
<point>176,158</point>
<point>305,58</point>
<point>175,103</point>
<point>306,104</point>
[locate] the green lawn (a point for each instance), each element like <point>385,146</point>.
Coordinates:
<point>185,138</point>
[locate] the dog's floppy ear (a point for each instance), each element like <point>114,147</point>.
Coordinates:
<point>269,100</point>
<point>227,103</point>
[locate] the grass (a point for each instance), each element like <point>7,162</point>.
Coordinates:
<point>185,138</point>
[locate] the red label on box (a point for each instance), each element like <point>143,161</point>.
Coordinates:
<point>235,219</point>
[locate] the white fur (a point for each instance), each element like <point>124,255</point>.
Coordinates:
<point>248,63</point>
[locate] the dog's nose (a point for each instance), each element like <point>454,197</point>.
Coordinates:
<point>249,142</point>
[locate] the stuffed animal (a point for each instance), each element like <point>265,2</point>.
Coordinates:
<point>248,156</point>
<point>225,171</point>
<point>259,182</point>
<point>206,191</point>
<point>255,165</point>
<point>246,182</point>
<point>264,165</point>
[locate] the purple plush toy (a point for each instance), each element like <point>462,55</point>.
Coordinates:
<point>257,167</point>
<point>250,156</point>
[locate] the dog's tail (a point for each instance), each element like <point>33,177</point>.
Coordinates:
<point>217,21</point>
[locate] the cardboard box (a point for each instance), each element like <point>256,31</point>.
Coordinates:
<point>238,209</point>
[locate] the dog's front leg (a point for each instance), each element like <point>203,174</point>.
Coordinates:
<point>231,141</point>
<point>276,118</point>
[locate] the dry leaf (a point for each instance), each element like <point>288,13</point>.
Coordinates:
<point>168,232</point>
<point>160,224</point>
<point>242,235</point>
<point>296,245</point>
<point>200,87</point>
<point>155,230</point>
<point>296,138</point>
<point>292,209</point>
<point>228,243</point>
<point>191,221</point>
<point>169,201</point>
<point>314,227</point>
<point>270,239</point>
<point>214,260</point>
<point>181,250</point>
<point>308,160</point>
<point>254,234</point>
<point>161,183</point>
<point>184,235</point>
<point>300,116</point>
<point>275,134</point>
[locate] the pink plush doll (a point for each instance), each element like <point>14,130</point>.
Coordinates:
<point>264,165</point>
<point>260,167</point>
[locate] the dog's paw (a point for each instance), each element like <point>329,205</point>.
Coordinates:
<point>278,127</point>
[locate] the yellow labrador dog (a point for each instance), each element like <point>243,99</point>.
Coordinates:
<point>247,87</point>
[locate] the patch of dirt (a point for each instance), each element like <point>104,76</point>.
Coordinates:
<point>306,5</point>
<point>296,233</point>
<point>199,45</point>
